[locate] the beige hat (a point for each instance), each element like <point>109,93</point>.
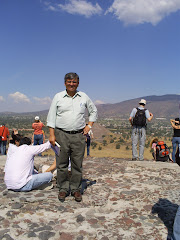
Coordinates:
<point>36,118</point>
<point>143,101</point>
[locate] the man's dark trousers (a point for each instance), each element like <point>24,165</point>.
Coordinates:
<point>73,146</point>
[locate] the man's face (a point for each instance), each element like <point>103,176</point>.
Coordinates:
<point>71,85</point>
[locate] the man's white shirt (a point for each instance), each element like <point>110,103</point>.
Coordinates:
<point>20,164</point>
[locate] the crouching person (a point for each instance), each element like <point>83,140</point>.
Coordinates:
<point>19,168</point>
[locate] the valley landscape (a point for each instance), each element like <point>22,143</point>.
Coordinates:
<point>112,131</point>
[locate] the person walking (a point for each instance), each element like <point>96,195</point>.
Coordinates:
<point>137,119</point>
<point>176,136</point>
<point>38,133</point>
<point>4,137</point>
<point>66,122</point>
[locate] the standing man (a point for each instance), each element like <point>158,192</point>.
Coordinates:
<point>137,119</point>
<point>4,135</point>
<point>66,122</point>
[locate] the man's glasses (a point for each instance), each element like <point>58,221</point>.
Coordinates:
<point>73,81</point>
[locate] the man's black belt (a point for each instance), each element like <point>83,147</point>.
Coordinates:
<point>71,132</point>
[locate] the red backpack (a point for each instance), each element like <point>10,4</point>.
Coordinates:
<point>162,151</point>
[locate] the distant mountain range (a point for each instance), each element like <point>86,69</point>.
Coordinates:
<point>165,106</point>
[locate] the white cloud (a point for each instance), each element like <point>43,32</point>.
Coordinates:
<point>43,101</point>
<point>19,97</point>
<point>80,7</point>
<point>141,11</point>
<point>2,99</point>
<point>98,102</point>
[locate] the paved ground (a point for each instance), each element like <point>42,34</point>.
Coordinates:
<point>130,200</point>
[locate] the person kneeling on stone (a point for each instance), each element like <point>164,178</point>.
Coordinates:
<point>19,169</point>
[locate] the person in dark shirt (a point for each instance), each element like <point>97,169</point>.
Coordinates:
<point>176,136</point>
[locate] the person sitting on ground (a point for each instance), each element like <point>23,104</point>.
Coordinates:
<point>176,137</point>
<point>52,168</point>
<point>19,168</point>
<point>153,145</point>
<point>13,144</point>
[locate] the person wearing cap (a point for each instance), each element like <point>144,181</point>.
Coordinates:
<point>67,126</point>
<point>4,137</point>
<point>38,133</point>
<point>139,129</point>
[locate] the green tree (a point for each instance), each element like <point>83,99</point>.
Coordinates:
<point>104,142</point>
<point>93,145</point>
<point>117,146</point>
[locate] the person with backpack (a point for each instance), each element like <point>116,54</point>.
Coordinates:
<point>176,136</point>
<point>137,119</point>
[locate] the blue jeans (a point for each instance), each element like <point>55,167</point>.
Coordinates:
<point>38,139</point>
<point>138,133</point>
<point>3,147</point>
<point>176,227</point>
<point>36,181</point>
<point>175,141</point>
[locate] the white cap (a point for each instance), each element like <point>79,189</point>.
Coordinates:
<point>143,101</point>
<point>36,118</point>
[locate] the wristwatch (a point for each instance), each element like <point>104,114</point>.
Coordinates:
<point>89,126</point>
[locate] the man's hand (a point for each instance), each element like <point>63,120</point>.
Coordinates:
<point>86,130</point>
<point>151,117</point>
<point>131,121</point>
<point>52,140</point>
<point>15,131</point>
<point>52,137</point>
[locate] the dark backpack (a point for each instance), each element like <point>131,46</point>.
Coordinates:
<point>162,152</point>
<point>140,118</point>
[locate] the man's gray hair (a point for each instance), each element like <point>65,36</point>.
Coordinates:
<point>71,75</point>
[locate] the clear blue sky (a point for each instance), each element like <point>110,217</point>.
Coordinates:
<point>121,49</point>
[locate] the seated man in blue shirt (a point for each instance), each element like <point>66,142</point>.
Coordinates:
<point>67,126</point>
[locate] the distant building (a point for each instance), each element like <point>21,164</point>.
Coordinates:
<point>161,118</point>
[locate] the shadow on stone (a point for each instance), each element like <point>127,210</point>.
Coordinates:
<point>166,211</point>
<point>86,183</point>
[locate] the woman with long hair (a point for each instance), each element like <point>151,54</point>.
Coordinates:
<point>153,146</point>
